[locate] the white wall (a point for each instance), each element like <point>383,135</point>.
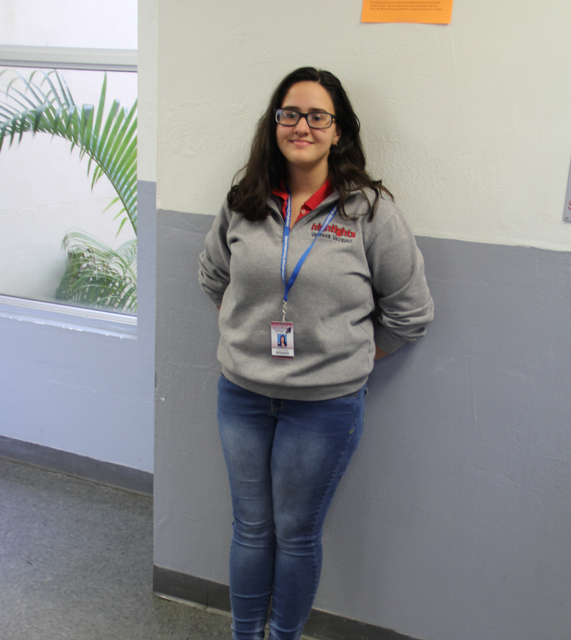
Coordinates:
<point>468,124</point>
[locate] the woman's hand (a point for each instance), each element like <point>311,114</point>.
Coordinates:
<point>379,353</point>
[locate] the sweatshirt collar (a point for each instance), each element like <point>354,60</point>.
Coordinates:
<point>311,203</point>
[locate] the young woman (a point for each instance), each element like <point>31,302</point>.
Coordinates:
<point>309,245</point>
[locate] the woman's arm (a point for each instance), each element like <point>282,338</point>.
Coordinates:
<point>214,271</point>
<point>404,304</point>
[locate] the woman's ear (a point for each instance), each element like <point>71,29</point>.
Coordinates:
<point>337,135</point>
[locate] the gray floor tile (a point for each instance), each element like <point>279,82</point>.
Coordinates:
<point>76,563</point>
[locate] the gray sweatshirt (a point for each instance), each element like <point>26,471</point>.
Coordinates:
<point>362,283</point>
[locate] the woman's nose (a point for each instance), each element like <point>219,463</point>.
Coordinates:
<point>302,126</point>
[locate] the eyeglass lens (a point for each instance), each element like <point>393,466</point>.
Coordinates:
<point>315,120</point>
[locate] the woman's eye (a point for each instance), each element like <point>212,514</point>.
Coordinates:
<point>289,115</point>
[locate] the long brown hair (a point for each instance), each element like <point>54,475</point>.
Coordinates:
<point>266,166</point>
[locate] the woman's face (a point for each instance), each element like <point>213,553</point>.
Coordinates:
<point>302,146</point>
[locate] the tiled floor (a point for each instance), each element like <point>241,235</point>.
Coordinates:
<point>76,563</point>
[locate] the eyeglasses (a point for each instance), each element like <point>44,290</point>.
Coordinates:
<point>316,120</point>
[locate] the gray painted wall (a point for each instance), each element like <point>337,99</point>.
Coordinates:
<point>453,522</point>
<point>85,392</point>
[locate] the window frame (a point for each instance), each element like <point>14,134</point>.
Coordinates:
<point>51,313</point>
<point>69,58</point>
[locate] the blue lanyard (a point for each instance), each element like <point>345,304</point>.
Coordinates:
<point>285,247</point>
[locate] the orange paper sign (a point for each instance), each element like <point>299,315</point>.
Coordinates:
<point>426,11</point>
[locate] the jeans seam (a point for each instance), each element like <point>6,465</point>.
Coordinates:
<point>350,435</point>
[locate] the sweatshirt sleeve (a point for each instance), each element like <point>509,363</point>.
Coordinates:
<point>403,303</point>
<point>214,261</point>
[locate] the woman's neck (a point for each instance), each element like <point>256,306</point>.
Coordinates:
<point>304,181</point>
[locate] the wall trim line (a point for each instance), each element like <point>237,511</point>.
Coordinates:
<point>321,625</point>
<point>78,466</point>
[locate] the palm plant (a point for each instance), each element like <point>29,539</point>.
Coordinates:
<point>95,274</point>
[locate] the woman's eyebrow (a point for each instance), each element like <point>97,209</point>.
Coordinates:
<point>311,110</point>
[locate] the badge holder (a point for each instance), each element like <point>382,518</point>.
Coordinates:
<point>282,337</point>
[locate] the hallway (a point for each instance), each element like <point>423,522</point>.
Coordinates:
<point>76,564</point>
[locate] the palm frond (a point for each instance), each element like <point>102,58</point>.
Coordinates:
<point>46,105</point>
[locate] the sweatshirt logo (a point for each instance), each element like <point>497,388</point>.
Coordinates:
<point>333,232</point>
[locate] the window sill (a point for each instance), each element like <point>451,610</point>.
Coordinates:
<point>75,318</point>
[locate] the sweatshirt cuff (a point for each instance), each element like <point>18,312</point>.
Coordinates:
<point>386,340</point>
<point>214,297</point>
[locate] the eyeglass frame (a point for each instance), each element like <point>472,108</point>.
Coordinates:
<point>305,115</point>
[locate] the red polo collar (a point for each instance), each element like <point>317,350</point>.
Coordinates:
<point>310,204</point>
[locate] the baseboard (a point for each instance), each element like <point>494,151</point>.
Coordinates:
<point>321,625</point>
<point>73,464</point>
<point>181,586</point>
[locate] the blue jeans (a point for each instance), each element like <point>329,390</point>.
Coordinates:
<point>285,459</point>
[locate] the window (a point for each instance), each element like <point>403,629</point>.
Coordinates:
<point>46,193</point>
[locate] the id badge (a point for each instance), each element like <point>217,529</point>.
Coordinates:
<point>282,339</point>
